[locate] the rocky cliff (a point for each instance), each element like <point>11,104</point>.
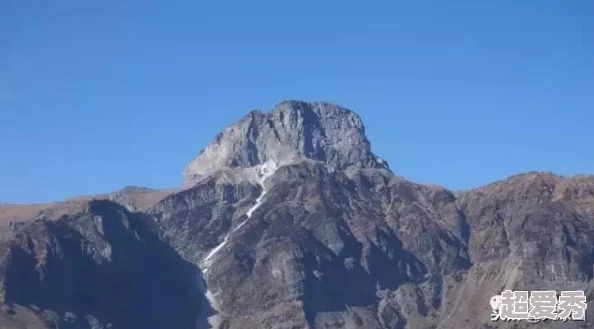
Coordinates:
<point>288,220</point>
<point>293,130</point>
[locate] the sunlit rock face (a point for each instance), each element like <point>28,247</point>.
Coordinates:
<point>292,130</point>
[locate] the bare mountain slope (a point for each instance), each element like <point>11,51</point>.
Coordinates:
<point>133,197</point>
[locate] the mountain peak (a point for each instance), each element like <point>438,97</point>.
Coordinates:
<point>293,129</point>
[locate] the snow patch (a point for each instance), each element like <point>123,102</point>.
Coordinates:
<point>266,170</point>
<point>263,172</point>
<point>209,317</point>
<point>207,260</point>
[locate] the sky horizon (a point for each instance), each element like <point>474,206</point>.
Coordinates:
<point>98,96</point>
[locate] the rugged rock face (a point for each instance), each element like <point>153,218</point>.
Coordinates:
<point>101,268</point>
<point>292,130</point>
<point>530,232</point>
<point>286,223</point>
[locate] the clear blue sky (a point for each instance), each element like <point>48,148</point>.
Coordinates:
<point>95,95</point>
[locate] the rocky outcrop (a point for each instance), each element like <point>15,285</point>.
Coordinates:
<point>100,268</point>
<point>292,130</point>
<point>135,198</point>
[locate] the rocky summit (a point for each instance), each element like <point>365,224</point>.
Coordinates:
<point>293,130</point>
<point>287,220</point>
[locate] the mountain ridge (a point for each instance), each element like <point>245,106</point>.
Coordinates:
<point>289,235</point>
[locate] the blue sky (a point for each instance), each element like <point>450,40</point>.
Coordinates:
<point>95,95</point>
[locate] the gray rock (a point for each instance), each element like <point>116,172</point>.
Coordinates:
<point>293,129</point>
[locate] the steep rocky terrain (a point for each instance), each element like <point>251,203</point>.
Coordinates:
<point>288,220</point>
<point>103,267</point>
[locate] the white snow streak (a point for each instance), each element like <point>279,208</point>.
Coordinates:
<point>209,309</point>
<point>266,170</point>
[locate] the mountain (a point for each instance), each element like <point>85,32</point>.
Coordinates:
<point>288,220</point>
<point>294,130</point>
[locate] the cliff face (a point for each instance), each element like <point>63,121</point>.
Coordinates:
<point>291,131</point>
<point>288,220</point>
<point>101,268</point>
